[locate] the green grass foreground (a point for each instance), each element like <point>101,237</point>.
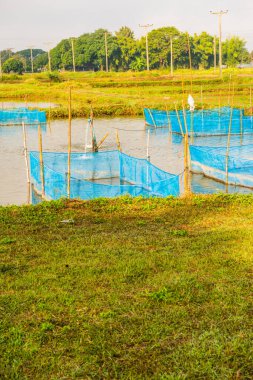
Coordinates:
<point>126,94</point>
<point>127,289</point>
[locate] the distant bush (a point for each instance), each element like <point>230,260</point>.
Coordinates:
<point>54,76</point>
<point>13,65</point>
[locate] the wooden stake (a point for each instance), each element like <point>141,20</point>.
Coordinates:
<point>42,177</point>
<point>148,138</point>
<point>102,140</point>
<point>69,143</point>
<point>25,152</point>
<point>185,121</point>
<point>228,144</point>
<point>250,99</point>
<point>186,166</point>
<point>241,124</point>
<point>118,141</point>
<point>169,121</point>
<point>179,121</point>
<point>152,117</point>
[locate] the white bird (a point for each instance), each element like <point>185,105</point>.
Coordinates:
<point>191,103</point>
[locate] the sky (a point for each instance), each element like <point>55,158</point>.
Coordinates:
<point>44,23</point>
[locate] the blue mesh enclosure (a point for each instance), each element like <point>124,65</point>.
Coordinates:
<point>102,174</point>
<point>236,168</point>
<point>22,115</point>
<point>201,122</point>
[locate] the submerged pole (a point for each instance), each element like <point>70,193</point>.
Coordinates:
<point>69,143</point>
<point>42,177</point>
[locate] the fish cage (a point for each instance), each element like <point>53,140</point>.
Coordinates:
<point>231,166</point>
<point>201,122</point>
<point>101,174</point>
<point>18,116</point>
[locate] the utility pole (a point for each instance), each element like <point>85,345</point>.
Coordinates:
<point>49,57</point>
<point>146,30</point>
<point>220,14</point>
<point>214,53</point>
<point>31,54</point>
<point>106,53</point>
<point>73,54</point>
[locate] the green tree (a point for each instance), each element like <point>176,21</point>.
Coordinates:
<point>159,46</point>
<point>127,47</point>
<point>13,65</point>
<point>234,51</point>
<point>203,50</point>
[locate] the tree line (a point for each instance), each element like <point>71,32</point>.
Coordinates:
<point>125,52</point>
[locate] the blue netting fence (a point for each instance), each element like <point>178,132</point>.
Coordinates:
<point>233,165</point>
<point>22,115</point>
<point>101,174</point>
<point>201,122</point>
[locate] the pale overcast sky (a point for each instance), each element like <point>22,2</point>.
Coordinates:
<point>34,22</point>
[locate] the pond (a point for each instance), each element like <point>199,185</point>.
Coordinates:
<point>165,150</point>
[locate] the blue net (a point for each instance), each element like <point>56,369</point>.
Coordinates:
<point>102,174</point>
<point>22,115</point>
<point>201,122</point>
<point>233,165</point>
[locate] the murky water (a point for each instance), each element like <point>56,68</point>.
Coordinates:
<point>165,150</point>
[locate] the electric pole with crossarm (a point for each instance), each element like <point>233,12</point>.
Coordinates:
<point>220,14</point>
<point>146,29</point>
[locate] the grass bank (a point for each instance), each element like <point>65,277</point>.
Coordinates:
<point>127,289</point>
<point>126,94</point>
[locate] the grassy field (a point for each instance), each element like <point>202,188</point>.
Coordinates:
<point>127,289</point>
<point>126,94</point>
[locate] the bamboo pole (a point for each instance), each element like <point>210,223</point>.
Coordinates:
<point>26,164</point>
<point>152,118</point>
<point>169,121</point>
<point>118,140</point>
<point>185,121</point>
<point>148,140</point>
<point>25,152</point>
<point>42,177</point>
<point>228,145</point>
<point>186,166</point>
<point>102,140</point>
<point>69,143</point>
<point>179,121</point>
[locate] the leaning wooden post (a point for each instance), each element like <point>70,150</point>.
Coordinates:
<point>118,140</point>
<point>152,118</point>
<point>69,143</point>
<point>186,166</point>
<point>185,121</point>
<point>250,100</point>
<point>42,177</point>
<point>179,121</point>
